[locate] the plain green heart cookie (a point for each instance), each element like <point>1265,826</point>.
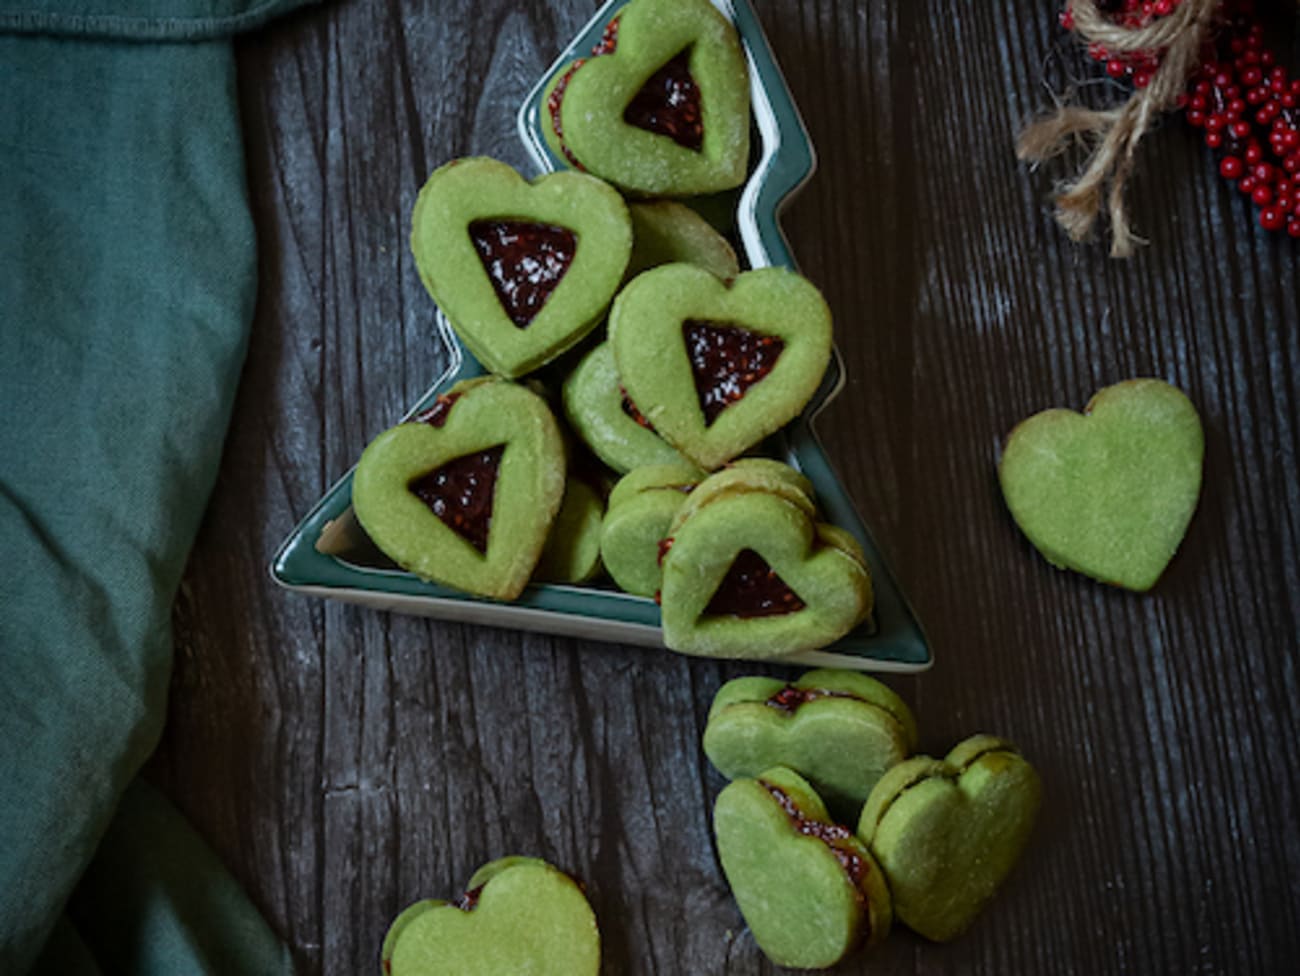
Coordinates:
<point>840,730</point>
<point>1109,492</point>
<point>809,890</point>
<point>716,368</point>
<point>518,917</point>
<point>667,232</point>
<point>948,832</point>
<point>602,415</point>
<point>521,270</point>
<point>751,575</point>
<point>662,109</point>
<point>466,496</point>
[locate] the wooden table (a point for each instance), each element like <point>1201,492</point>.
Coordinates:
<point>345,762</point>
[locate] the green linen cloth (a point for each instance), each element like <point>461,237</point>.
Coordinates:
<point>127,279</point>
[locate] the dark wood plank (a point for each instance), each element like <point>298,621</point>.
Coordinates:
<point>345,763</point>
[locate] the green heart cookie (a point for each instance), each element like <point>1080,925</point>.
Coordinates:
<point>746,475</point>
<point>1109,492</point>
<point>490,459</point>
<point>948,832</point>
<point>809,890</point>
<point>841,730</point>
<point>713,368</point>
<point>518,916</point>
<point>521,270</point>
<point>603,416</point>
<point>662,109</point>
<point>667,232</point>
<point>572,550</point>
<point>641,507</point>
<point>750,575</point>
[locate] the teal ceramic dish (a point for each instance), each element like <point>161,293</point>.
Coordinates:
<point>327,555</point>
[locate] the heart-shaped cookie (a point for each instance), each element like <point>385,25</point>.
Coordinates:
<point>715,369</point>
<point>518,915</point>
<point>601,413</point>
<point>465,493</point>
<point>521,270</point>
<point>840,730</point>
<point>750,575</point>
<point>572,550</point>
<point>746,475</point>
<point>948,832</point>
<point>662,108</point>
<point>809,890</point>
<point>641,507</point>
<point>1109,492</point>
<point>667,232</point>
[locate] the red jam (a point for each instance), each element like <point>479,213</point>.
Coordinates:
<point>437,414</point>
<point>608,40</point>
<point>525,261</point>
<point>751,588</point>
<point>789,698</point>
<point>630,409</point>
<point>838,839</point>
<point>664,546</point>
<point>469,900</point>
<point>460,493</point>
<point>553,101</point>
<point>669,104</point>
<point>727,360</point>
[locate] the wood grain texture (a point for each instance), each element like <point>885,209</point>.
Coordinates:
<point>345,763</point>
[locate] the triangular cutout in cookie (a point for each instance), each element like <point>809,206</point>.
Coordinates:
<point>461,493</point>
<point>525,262</point>
<point>726,360</point>
<point>752,588</point>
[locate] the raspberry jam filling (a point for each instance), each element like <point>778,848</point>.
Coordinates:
<point>789,698</point>
<point>630,409</point>
<point>460,493</point>
<point>669,104</point>
<point>437,414</point>
<point>751,588</point>
<point>726,360</point>
<point>525,262</point>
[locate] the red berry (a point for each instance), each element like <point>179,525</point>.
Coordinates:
<point>1231,168</point>
<point>1270,218</point>
<point>1262,196</point>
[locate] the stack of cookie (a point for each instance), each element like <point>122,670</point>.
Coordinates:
<point>631,319</point>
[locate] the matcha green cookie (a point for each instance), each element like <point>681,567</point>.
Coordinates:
<point>666,232</point>
<point>518,916</point>
<point>572,551</point>
<point>746,475</point>
<point>521,270</point>
<point>716,368</point>
<point>1109,492</point>
<point>601,414</point>
<point>641,507</point>
<point>750,575</point>
<point>809,890</point>
<point>465,493</point>
<point>662,108</point>
<point>948,832</point>
<point>841,730</point>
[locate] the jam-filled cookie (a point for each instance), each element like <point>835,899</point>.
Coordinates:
<point>465,492</point>
<point>522,270</point>
<point>948,832</point>
<point>841,730</point>
<point>600,412</point>
<point>517,915</point>
<point>716,368</point>
<point>751,574</point>
<point>810,891</point>
<point>662,106</point>
<point>641,508</point>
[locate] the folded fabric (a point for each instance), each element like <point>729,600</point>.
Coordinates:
<point>127,278</point>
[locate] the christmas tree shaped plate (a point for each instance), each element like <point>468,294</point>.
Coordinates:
<point>328,554</point>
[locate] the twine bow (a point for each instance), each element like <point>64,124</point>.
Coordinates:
<point>1177,38</point>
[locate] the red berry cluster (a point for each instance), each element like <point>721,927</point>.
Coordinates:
<point>1245,102</point>
<point>1134,66</point>
<point>1250,111</point>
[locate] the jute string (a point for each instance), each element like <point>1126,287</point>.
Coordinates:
<point>1115,133</point>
